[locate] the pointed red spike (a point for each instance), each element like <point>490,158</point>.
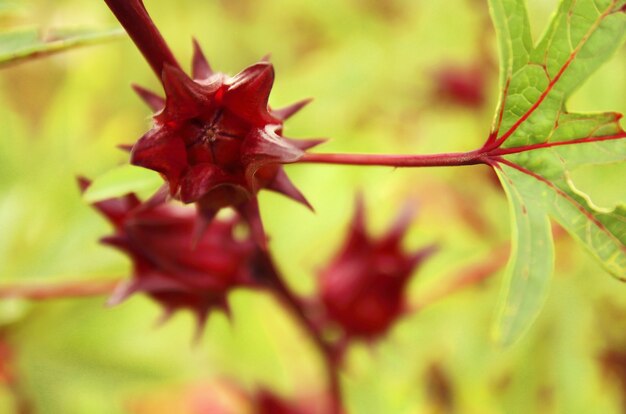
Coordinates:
<point>113,209</point>
<point>250,212</point>
<point>401,224</point>
<point>154,101</point>
<point>182,94</point>
<point>289,111</point>
<point>200,67</point>
<point>122,291</point>
<point>266,58</point>
<point>283,185</point>
<point>357,233</point>
<point>305,144</point>
<point>167,314</point>
<point>125,147</point>
<point>83,183</point>
<point>358,220</point>
<point>118,242</point>
<point>201,318</point>
<point>423,254</point>
<point>224,306</point>
<point>248,93</point>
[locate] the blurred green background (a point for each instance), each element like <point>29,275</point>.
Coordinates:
<point>370,66</point>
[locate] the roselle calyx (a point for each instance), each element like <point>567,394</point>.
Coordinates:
<point>174,265</point>
<point>214,140</point>
<point>362,290</point>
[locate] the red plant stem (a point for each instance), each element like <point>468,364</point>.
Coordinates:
<point>297,309</point>
<point>82,288</point>
<point>134,17</point>
<point>429,160</point>
<point>483,155</point>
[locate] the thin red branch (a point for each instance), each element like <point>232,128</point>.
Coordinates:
<point>297,309</point>
<point>134,17</point>
<point>59,290</point>
<point>429,160</point>
<point>480,156</point>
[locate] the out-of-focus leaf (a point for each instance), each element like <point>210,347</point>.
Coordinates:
<point>536,144</point>
<point>22,44</point>
<point>122,180</point>
<point>8,7</point>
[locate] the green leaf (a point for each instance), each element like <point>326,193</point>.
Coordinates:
<point>532,259</point>
<point>8,8</point>
<point>536,144</point>
<point>122,180</point>
<point>28,43</point>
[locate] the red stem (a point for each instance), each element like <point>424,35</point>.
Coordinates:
<point>82,288</point>
<point>293,303</point>
<point>485,155</point>
<point>134,17</point>
<point>429,160</point>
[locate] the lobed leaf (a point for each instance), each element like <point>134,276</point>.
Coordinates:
<point>535,144</point>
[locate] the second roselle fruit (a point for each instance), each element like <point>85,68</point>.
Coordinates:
<point>363,288</point>
<point>174,263</point>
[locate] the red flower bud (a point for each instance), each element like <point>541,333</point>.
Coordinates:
<point>216,141</point>
<point>362,289</point>
<point>173,262</point>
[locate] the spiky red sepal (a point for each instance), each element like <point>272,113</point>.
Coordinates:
<point>172,262</point>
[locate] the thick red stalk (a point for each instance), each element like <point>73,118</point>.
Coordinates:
<point>135,19</point>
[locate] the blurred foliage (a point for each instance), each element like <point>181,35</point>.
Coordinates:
<point>369,66</point>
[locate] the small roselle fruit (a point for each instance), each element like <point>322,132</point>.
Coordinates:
<point>362,289</point>
<point>172,262</point>
<point>214,140</point>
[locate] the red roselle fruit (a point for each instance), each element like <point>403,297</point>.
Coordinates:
<point>172,263</point>
<point>362,289</point>
<point>214,140</point>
